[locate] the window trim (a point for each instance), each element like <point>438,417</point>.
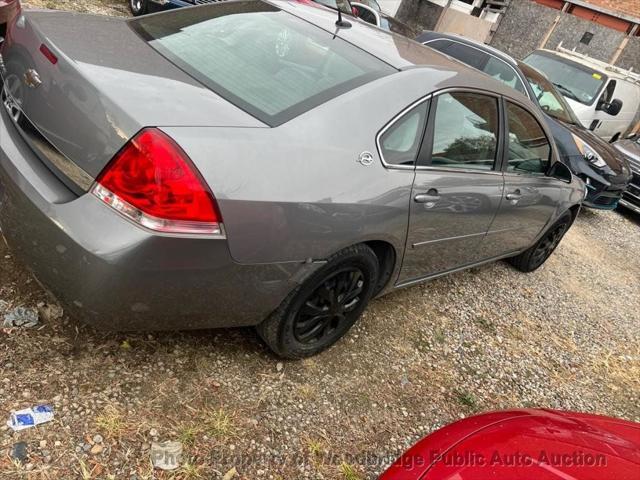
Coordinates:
<point>453,40</point>
<point>392,122</point>
<point>427,142</point>
<point>505,156</point>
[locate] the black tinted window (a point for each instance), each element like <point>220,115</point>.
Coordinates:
<point>400,143</point>
<point>465,131</point>
<point>264,60</point>
<point>471,56</point>
<point>529,148</point>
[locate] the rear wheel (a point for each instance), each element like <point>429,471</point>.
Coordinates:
<point>320,311</point>
<point>534,257</point>
<point>138,7</point>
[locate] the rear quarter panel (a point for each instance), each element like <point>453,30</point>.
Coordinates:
<point>297,191</point>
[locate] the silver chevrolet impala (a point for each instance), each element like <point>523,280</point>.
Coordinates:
<point>260,163</point>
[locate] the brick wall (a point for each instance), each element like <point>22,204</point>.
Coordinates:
<point>630,7</point>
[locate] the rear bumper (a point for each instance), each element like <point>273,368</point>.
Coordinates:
<point>113,274</point>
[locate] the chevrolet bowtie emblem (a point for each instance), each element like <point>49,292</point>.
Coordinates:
<point>32,79</point>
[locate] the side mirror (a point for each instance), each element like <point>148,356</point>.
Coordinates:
<point>614,107</point>
<point>560,171</point>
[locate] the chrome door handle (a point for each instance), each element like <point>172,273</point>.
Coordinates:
<point>430,197</point>
<point>514,196</point>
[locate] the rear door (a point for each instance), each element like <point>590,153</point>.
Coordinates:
<point>457,187</point>
<point>530,196</point>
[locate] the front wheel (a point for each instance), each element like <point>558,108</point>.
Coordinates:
<point>534,257</point>
<point>138,7</point>
<point>323,309</point>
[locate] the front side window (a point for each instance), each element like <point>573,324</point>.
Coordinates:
<point>465,131</point>
<point>529,148</point>
<point>400,143</point>
<point>265,61</point>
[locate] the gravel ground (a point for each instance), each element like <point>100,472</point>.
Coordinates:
<point>566,336</point>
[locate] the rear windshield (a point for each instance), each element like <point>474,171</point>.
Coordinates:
<point>268,62</point>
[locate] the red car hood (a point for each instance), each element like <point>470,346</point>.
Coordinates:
<point>525,445</point>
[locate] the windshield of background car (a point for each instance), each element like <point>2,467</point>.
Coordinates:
<point>548,97</point>
<point>265,61</point>
<point>573,80</point>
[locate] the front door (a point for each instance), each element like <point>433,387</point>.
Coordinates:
<point>530,197</point>
<point>457,189</point>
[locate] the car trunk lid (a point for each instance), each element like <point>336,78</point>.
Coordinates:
<point>84,85</point>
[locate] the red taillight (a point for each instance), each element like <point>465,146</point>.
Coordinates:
<point>153,182</point>
<point>48,54</point>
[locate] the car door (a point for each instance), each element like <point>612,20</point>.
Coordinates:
<point>530,196</point>
<point>457,189</point>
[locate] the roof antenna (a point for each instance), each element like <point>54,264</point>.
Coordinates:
<point>342,23</point>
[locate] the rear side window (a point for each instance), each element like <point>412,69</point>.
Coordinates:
<point>267,62</point>
<point>529,148</point>
<point>465,131</point>
<point>467,55</point>
<point>399,143</point>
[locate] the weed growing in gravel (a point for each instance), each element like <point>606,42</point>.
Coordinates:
<point>190,471</point>
<point>348,472</point>
<point>467,399</point>
<point>112,422</point>
<point>187,434</point>
<point>315,447</point>
<point>220,424</point>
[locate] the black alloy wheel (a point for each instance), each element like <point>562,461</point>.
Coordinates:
<point>534,257</point>
<point>329,306</point>
<point>322,309</point>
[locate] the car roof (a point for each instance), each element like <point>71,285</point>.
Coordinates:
<point>400,52</point>
<point>427,36</point>
<point>628,76</point>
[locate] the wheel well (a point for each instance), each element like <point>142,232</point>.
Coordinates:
<point>386,260</point>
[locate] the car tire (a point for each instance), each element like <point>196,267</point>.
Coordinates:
<point>321,310</point>
<point>138,7</point>
<point>534,257</point>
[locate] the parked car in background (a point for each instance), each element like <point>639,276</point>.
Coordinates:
<point>605,98</point>
<point>525,445</point>
<point>630,148</point>
<point>160,195</point>
<point>368,12</point>
<point>9,9</point>
<point>605,172</point>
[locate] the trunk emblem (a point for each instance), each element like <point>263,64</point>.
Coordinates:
<point>32,78</point>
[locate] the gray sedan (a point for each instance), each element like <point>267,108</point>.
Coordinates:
<point>253,163</point>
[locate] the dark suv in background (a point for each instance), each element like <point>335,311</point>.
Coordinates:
<point>603,169</point>
<point>630,148</point>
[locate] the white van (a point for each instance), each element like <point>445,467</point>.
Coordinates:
<point>605,98</point>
